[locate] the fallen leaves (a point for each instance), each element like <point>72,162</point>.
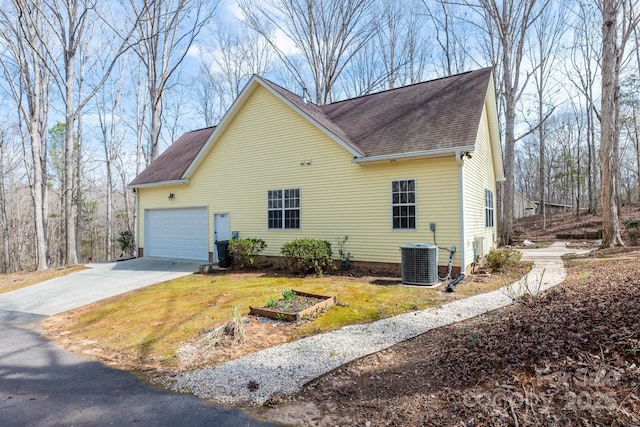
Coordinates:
<point>571,359</point>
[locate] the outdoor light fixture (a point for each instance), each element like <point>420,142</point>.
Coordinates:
<point>171,196</point>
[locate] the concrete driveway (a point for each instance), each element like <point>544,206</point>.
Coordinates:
<point>97,282</point>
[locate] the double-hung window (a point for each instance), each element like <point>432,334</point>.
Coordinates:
<point>488,208</point>
<point>403,204</point>
<point>283,208</point>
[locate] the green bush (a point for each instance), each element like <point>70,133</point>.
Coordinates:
<point>502,257</point>
<point>126,242</point>
<point>307,256</point>
<point>633,230</point>
<point>244,252</point>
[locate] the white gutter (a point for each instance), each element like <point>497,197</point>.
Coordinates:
<point>463,249</point>
<point>160,183</point>
<point>442,152</point>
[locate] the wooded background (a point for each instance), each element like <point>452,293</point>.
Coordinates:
<point>93,91</point>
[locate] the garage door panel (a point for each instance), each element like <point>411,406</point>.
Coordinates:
<point>177,233</point>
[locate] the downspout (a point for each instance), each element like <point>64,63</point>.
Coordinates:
<point>136,210</point>
<point>460,161</point>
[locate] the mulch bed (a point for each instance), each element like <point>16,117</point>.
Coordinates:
<point>295,304</point>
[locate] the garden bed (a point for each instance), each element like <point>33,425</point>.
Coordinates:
<point>297,306</point>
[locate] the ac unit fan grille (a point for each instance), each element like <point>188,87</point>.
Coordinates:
<point>419,264</point>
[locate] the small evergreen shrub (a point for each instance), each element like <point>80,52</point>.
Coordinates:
<point>502,257</point>
<point>126,242</point>
<point>244,252</point>
<point>307,256</point>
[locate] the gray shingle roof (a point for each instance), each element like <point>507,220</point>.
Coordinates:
<point>174,161</point>
<point>435,115</point>
<point>441,114</point>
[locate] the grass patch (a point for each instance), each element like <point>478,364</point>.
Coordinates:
<point>145,328</point>
<point>14,281</point>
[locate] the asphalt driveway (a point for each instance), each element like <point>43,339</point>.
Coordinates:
<point>97,282</point>
<point>41,384</point>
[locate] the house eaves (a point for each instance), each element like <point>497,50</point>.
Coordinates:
<point>159,183</point>
<point>444,152</point>
<point>494,131</point>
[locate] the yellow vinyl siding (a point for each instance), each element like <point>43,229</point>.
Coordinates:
<point>261,151</point>
<point>478,176</point>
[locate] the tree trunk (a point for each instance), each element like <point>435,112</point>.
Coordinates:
<point>506,230</point>
<point>79,193</point>
<point>37,194</point>
<point>71,256</point>
<point>4,220</point>
<point>609,129</point>
<point>156,123</point>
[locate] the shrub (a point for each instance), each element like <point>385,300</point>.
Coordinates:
<point>633,230</point>
<point>126,242</point>
<point>502,257</point>
<point>244,252</point>
<point>307,256</point>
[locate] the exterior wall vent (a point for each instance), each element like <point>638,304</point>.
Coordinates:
<point>419,264</point>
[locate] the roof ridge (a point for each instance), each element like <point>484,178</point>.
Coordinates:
<point>204,128</point>
<point>403,87</point>
<point>285,89</point>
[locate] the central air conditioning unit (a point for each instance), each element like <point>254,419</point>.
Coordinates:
<point>419,264</point>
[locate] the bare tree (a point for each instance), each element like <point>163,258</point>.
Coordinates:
<point>26,80</point>
<point>364,74</point>
<point>4,218</point>
<point>508,23</point>
<point>70,22</point>
<point>584,60</point>
<point>630,100</point>
<point>327,34</point>
<point>451,35</point>
<point>543,53</point>
<point>236,56</point>
<point>389,31</point>
<point>108,108</point>
<point>167,29</point>
<point>401,42</point>
<point>619,19</point>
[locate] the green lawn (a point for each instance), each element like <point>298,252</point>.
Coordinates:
<point>149,325</point>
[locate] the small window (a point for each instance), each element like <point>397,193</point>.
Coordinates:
<point>488,208</point>
<point>283,208</point>
<point>403,204</point>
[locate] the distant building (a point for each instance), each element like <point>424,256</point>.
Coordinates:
<point>553,208</point>
<point>523,207</point>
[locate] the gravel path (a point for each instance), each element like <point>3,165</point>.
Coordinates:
<point>254,378</point>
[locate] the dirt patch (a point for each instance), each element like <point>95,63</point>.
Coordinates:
<point>572,359</point>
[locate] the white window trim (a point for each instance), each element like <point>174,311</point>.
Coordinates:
<point>283,209</point>
<point>488,208</point>
<point>415,204</point>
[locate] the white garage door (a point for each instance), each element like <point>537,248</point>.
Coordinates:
<point>177,233</point>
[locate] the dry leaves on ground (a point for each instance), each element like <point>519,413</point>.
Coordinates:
<point>572,359</point>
